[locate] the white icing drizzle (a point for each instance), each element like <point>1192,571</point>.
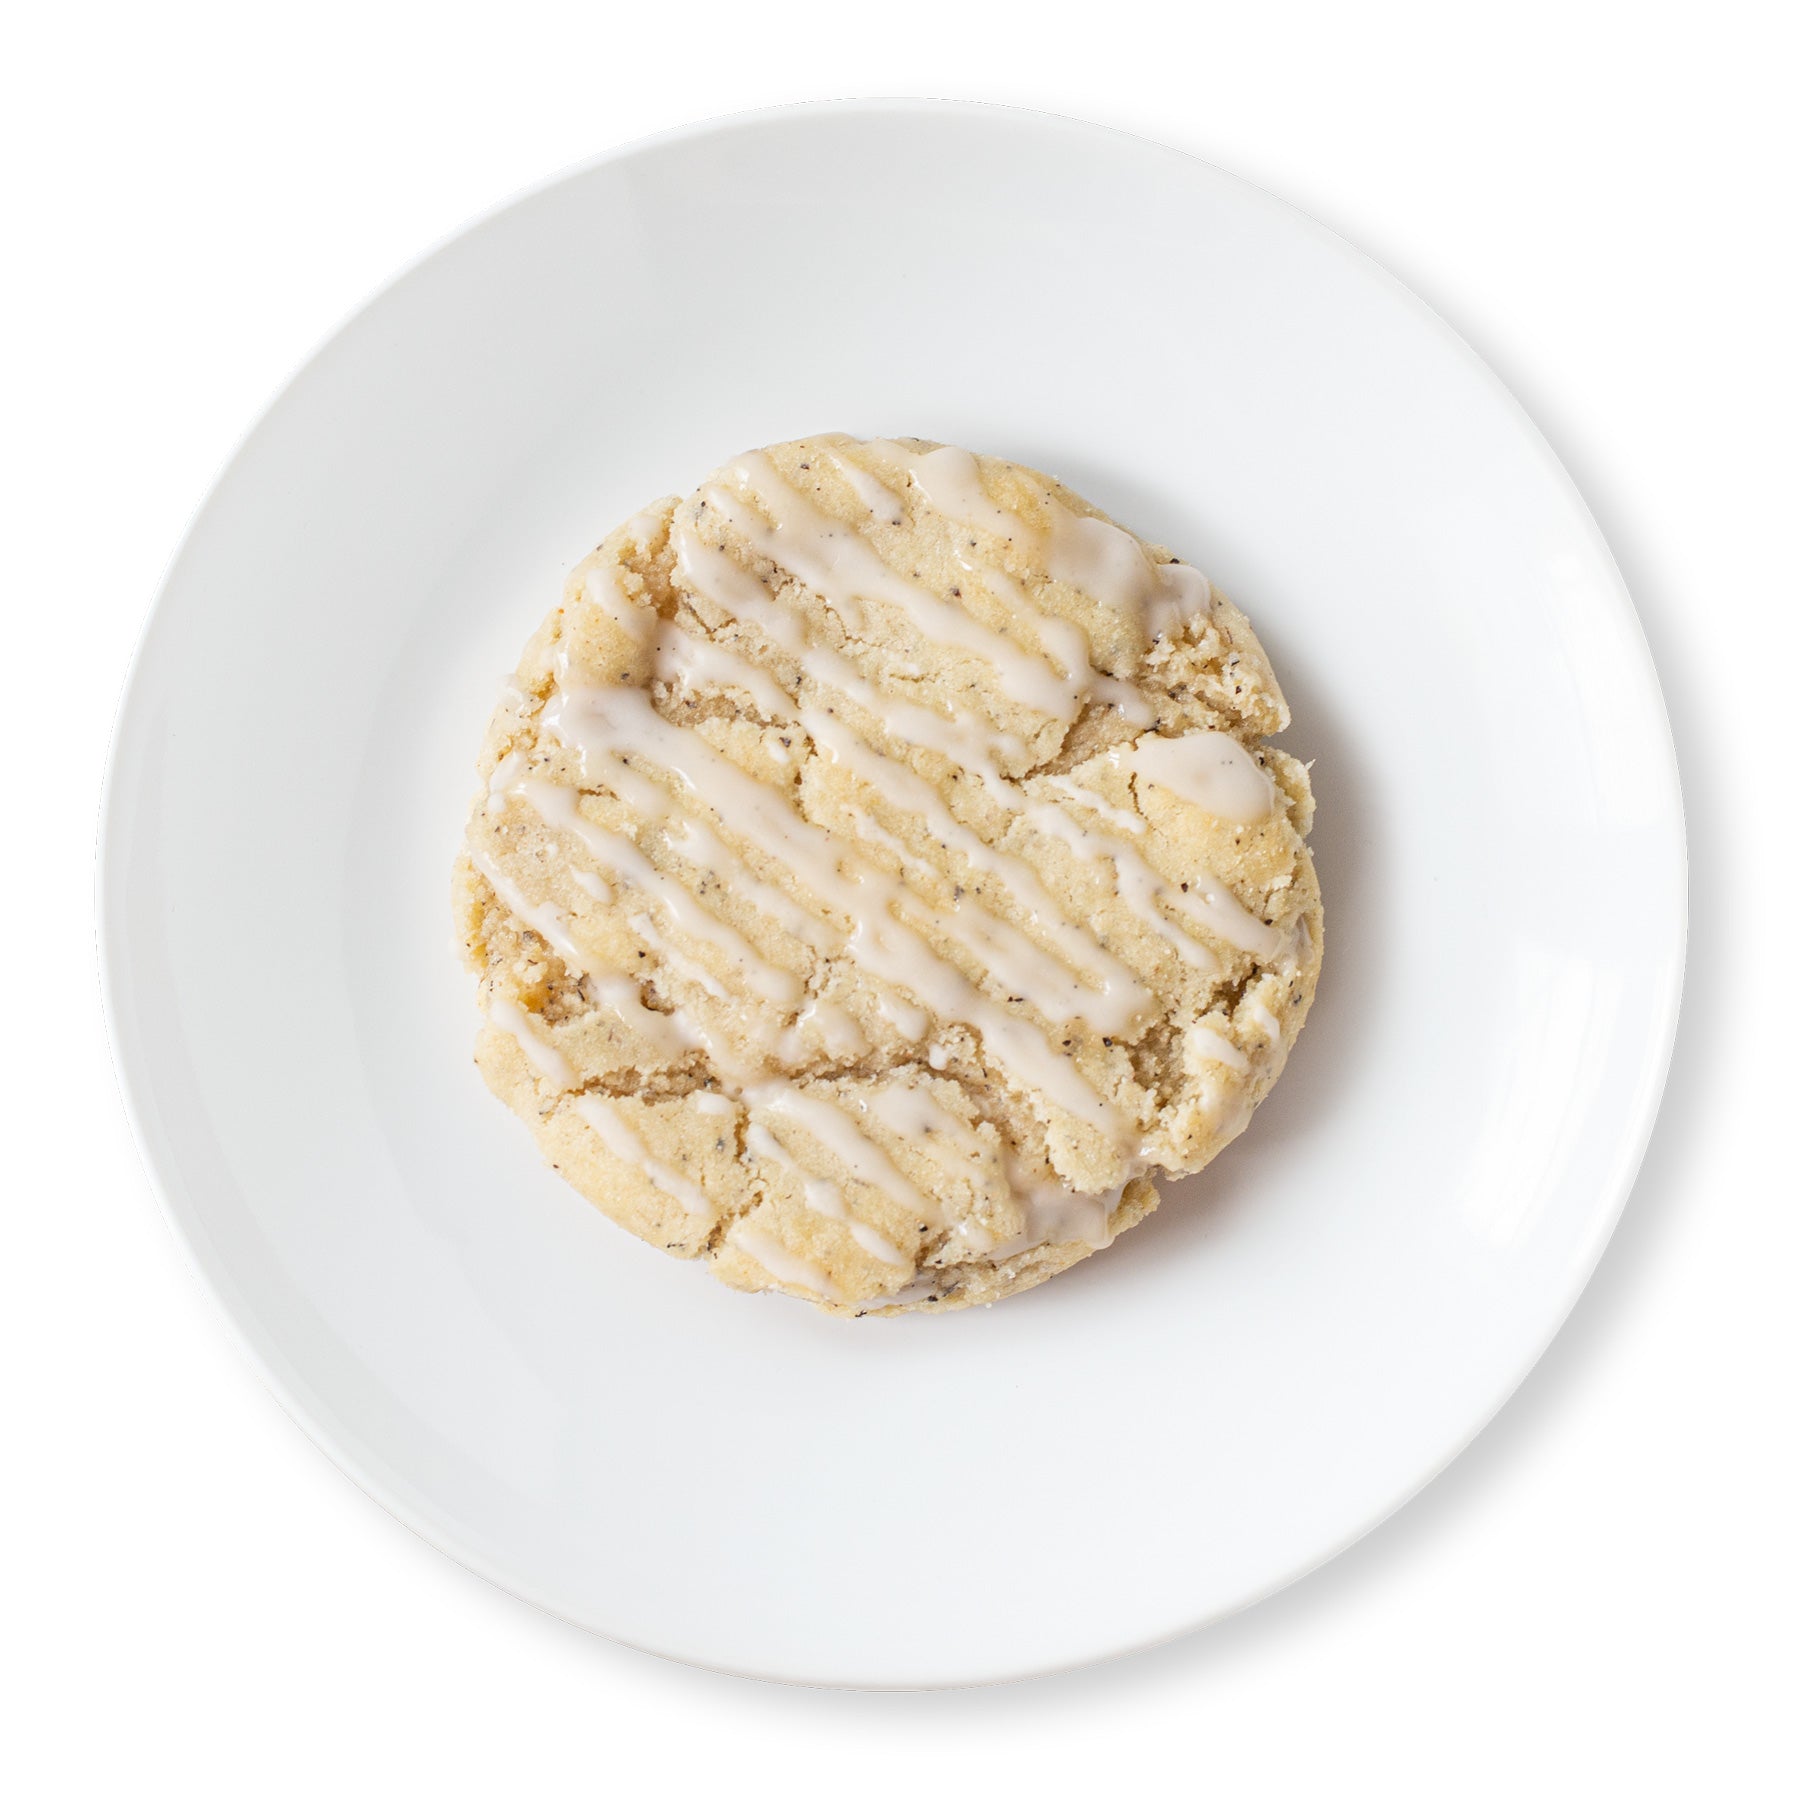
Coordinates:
<point>683,657</point>
<point>1264,1020</point>
<point>781,1262</point>
<point>873,833</point>
<point>710,573</point>
<point>675,960</point>
<point>641,526</point>
<point>823,1196</point>
<point>882,1249</point>
<point>1132,706</point>
<point>1055,1214</point>
<point>915,1114</point>
<point>1207,901</point>
<point>1115,816</point>
<point>924,1286</point>
<point>974,1238</point>
<point>696,842</point>
<point>1214,1046</point>
<point>601,722</point>
<point>950,480</point>
<point>1221,912</point>
<point>837,563</point>
<point>1027,973</point>
<point>623,1142</point>
<point>506,772</point>
<point>547,919</point>
<point>1138,885</point>
<point>1063,638</point>
<point>1111,997</point>
<point>629,867</point>
<point>621,996</point>
<point>1299,945</point>
<point>1101,559</point>
<point>1108,564</point>
<point>732,1053</point>
<point>1093,555</point>
<point>833,1128</point>
<point>699,843</point>
<point>624,999</point>
<point>1210,770</point>
<point>601,586</point>
<point>714,1105</point>
<point>826,1198</point>
<point>1183,594</point>
<point>877,496</point>
<point>1221,769</point>
<point>912,1022</point>
<point>508,1016</point>
<point>1066,645</point>
<point>840,1034</point>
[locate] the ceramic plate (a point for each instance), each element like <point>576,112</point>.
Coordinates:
<point>1303,1335</point>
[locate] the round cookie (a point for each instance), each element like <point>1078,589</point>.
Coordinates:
<point>879,876</point>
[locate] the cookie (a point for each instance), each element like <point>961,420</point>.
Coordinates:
<point>879,876</point>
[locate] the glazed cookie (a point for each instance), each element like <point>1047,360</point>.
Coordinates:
<point>879,876</point>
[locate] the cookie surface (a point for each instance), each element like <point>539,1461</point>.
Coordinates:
<point>879,876</point>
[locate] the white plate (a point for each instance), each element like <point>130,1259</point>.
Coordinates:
<point>1302,1336</point>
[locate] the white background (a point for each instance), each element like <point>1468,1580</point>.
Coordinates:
<point>1598,1597</point>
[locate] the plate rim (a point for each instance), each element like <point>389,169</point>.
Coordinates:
<point>162,1169</point>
